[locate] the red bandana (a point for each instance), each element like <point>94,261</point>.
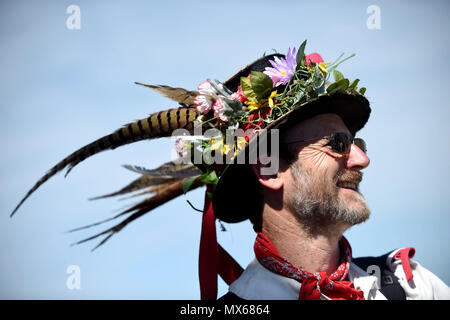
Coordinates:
<point>334,286</point>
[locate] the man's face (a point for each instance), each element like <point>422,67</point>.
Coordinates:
<point>322,185</point>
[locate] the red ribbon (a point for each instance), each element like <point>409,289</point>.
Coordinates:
<point>404,255</point>
<point>213,259</point>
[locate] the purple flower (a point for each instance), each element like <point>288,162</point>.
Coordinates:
<point>283,69</point>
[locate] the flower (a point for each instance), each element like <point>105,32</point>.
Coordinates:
<point>283,69</point>
<point>239,95</point>
<point>240,143</point>
<point>180,148</point>
<point>203,103</point>
<point>323,68</point>
<point>217,144</point>
<point>313,57</point>
<point>227,149</point>
<point>317,59</point>
<point>263,103</point>
<point>273,95</point>
<point>219,109</point>
<point>205,88</point>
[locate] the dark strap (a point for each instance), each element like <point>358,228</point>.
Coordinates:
<point>230,297</point>
<point>390,287</point>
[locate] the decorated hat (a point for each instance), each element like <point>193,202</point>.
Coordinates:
<point>218,130</point>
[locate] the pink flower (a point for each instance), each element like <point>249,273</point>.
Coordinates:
<point>235,96</point>
<point>203,103</point>
<point>179,148</point>
<point>219,109</point>
<point>205,88</point>
<point>239,95</point>
<point>313,57</point>
<point>242,97</point>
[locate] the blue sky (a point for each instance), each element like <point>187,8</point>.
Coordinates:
<point>61,89</point>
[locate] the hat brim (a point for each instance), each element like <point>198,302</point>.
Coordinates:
<point>235,198</point>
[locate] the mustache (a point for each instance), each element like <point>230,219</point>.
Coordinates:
<point>349,175</point>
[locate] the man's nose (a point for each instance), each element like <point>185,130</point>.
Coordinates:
<point>357,159</point>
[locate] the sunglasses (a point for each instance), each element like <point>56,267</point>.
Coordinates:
<point>340,142</point>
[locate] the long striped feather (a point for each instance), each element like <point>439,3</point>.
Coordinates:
<point>137,184</point>
<point>157,125</point>
<point>153,189</point>
<point>170,192</point>
<point>179,95</point>
<point>170,169</point>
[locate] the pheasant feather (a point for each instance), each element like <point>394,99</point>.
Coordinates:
<point>172,191</point>
<point>157,125</point>
<point>179,95</point>
<point>170,169</point>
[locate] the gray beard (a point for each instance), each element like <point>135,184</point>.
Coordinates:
<point>317,205</point>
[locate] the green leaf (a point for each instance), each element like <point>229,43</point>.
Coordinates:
<point>343,85</point>
<point>362,90</point>
<point>261,84</point>
<point>246,87</point>
<point>301,53</point>
<point>353,85</point>
<point>332,87</point>
<point>337,75</point>
<point>311,92</point>
<point>210,178</point>
<point>340,86</point>
<point>188,183</point>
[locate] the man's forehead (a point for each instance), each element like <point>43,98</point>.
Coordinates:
<point>317,126</point>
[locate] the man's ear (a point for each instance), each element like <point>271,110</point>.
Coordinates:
<point>271,181</point>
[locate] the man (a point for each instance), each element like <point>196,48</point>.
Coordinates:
<point>307,206</point>
<point>300,210</point>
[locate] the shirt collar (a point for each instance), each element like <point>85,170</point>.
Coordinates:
<point>258,283</point>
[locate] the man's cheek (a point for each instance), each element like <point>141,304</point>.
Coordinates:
<point>313,159</point>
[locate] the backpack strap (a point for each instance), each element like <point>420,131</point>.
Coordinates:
<point>230,297</point>
<point>390,287</point>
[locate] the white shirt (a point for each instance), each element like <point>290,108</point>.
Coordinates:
<point>258,283</point>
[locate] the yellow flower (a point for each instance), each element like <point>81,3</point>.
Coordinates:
<point>255,105</point>
<point>219,145</point>
<point>272,95</point>
<point>241,143</point>
<point>252,105</point>
<point>323,68</point>
<point>225,149</point>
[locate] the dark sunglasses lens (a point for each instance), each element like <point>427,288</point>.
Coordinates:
<point>340,142</point>
<point>360,143</point>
